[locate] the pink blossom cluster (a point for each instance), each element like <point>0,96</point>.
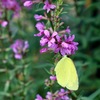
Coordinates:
<point>58,95</point>
<point>54,40</point>
<point>6,5</point>
<point>19,48</point>
<point>10,5</point>
<point>47,5</point>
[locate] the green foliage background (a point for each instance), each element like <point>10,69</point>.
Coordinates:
<point>23,79</point>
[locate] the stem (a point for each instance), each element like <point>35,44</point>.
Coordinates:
<point>24,81</point>
<point>51,25</point>
<point>57,13</point>
<point>24,63</point>
<point>8,26</point>
<point>49,16</point>
<point>51,88</point>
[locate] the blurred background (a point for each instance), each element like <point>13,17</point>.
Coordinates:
<point>83,17</point>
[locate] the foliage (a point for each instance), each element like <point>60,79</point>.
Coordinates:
<point>23,79</point>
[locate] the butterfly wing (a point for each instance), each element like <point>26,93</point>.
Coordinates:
<point>66,74</point>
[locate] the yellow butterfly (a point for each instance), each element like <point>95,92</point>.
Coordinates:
<point>66,74</point>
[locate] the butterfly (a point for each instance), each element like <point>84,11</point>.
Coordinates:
<point>66,74</point>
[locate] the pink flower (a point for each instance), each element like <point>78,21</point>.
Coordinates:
<point>49,96</point>
<point>62,95</point>
<point>53,78</point>
<point>65,45</point>
<point>46,33</point>
<point>4,23</point>
<point>19,47</point>
<point>58,95</point>
<point>43,41</point>
<point>38,97</point>
<point>38,17</point>
<point>47,39</point>
<point>11,5</point>
<point>68,30</point>
<point>43,50</point>
<point>48,6</point>
<point>40,27</point>
<point>28,3</point>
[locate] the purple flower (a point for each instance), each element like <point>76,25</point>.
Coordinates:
<point>68,30</point>
<point>49,96</point>
<point>52,40</point>
<point>48,6</point>
<point>65,45</point>
<point>72,46</point>
<point>47,39</point>
<point>44,41</point>
<point>11,5</point>
<point>19,47</point>
<point>38,97</point>
<point>40,26</point>
<point>53,78</point>
<point>4,23</point>
<point>62,95</point>
<point>38,17</point>
<point>46,33</point>
<point>58,95</point>
<point>28,3</point>
<point>43,50</point>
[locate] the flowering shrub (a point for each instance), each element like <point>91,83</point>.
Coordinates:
<point>52,39</point>
<point>35,35</point>
<point>56,41</point>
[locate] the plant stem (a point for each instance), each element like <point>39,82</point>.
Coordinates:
<point>8,26</point>
<point>49,17</point>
